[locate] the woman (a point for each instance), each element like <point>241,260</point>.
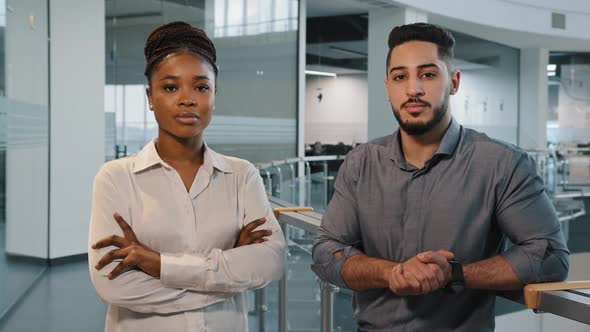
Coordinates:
<point>171,244</point>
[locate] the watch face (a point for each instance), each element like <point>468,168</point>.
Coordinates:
<point>456,271</point>
<point>457,283</point>
<point>456,287</point>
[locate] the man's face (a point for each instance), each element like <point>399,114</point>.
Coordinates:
<point>418,86</point>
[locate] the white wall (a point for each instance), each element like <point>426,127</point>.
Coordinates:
<point>77,119</point>
<point>341,115</point>
<point>487,99</point>
<point>573,108</point>
<point>533,99</point>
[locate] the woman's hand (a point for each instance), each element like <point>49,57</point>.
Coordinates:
<point>131,252</point>
<point>248,235</point>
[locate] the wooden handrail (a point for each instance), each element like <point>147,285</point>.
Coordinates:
<point>531,291</point>
<point>278,210</point>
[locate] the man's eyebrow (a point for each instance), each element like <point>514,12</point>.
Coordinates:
<point>426,65</point>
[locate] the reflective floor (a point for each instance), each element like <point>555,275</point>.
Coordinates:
<point>17,275</point>
<point>64,300</point>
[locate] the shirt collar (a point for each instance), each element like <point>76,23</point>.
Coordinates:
<point>148,157</point>
<point>450,139</point>
<point>447,145</point>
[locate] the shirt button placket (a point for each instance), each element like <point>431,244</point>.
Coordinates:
<point>412,211</point>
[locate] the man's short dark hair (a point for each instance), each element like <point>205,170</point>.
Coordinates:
<point>423,32</point>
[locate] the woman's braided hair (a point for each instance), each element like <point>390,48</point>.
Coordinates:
<point>177,37</point>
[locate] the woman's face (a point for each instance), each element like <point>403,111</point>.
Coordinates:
<point>182,95</point>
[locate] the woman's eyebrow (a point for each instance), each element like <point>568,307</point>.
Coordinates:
<point>175,77</point>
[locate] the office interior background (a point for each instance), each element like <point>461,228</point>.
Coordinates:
<point>300,84</point>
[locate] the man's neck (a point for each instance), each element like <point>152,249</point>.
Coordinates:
<point>419,148</point>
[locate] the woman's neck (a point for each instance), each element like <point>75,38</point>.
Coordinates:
<point>174,150</point>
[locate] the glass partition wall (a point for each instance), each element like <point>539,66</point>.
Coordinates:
<point>24,147</point>
<point>256,42</point>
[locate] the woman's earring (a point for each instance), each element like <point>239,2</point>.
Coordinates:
<point>151,106</point>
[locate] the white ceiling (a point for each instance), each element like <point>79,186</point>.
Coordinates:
<point>321,8</point>
<point>337,50</point>
<point>517,39</point>
<point>160,11</point>
<point>335,70</point>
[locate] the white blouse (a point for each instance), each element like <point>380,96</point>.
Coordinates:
<point>203,278</point>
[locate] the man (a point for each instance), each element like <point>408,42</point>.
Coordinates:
<point>417,224</point>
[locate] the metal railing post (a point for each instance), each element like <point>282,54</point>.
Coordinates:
<point>325,177</point>
<point>267,173</point>
<point>280,186</point>
<point>261,308</point>
<point>293,184</point>
<point>308,182</point>
<point>327,305</point>
<point>283,283</point>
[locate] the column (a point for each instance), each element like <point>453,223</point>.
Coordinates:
<point>532,120</point>
<point>77,130</point>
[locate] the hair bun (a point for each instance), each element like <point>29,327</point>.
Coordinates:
<point>177,36</point>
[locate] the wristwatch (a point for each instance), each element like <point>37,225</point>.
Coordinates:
<point>457,283</point>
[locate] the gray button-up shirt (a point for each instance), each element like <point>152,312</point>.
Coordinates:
<point>472,194</point>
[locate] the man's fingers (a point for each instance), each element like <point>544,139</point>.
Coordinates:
<point>425,257</point>
<point>109,257</point>
<point>410,277</point>
<point>431,276</point>
<point>446,254</point>
<point>400,284</point>
<point>127,231</point>
<point>112,240</point>
<point>262,240</point>
<point>440,276</point>
<point>430,257</point>
<point>425,277</point>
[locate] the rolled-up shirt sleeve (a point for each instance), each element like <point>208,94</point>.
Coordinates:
<point>339,230</point>
<point>237,269</point>
<point>133,289</point>
<point>526,215</point>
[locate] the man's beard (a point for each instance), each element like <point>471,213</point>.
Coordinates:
<point>416,129</point>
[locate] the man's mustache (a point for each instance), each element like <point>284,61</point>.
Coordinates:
<point>415,100</point>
